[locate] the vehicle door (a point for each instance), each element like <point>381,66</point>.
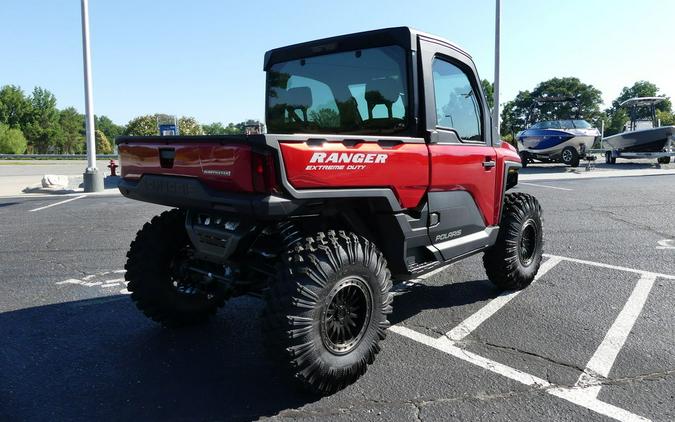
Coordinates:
<point>461,192</point>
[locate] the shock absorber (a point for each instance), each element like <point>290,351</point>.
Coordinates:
<point>289,233</point>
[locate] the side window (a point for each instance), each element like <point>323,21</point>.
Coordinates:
<point>456,104</point>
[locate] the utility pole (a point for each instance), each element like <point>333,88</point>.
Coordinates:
<point>495,110</point>
<point>93,180</point>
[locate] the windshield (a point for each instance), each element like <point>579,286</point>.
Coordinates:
<point>355,92</point>
<point>582,124</point>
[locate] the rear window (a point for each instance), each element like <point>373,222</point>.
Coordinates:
<point>354,92</point>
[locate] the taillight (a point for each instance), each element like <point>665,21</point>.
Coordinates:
<point>264,173</point>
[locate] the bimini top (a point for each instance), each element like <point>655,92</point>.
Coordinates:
<point>403,36</point>
<point>642,101</point>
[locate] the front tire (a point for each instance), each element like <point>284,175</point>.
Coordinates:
<point>157,287</point>
<point>327,309</point>
<point>513,261</point>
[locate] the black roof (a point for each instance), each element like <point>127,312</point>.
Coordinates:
<point>403,36</point>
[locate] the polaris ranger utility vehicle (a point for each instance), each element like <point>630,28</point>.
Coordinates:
<point>380,163</point>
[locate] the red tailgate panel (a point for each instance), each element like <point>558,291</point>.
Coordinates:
<point>222,167</point>
<point>404,168</point>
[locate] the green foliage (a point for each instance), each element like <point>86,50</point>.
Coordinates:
<point>641,89</point>
<point>147,126</point>
<point>15,107</point>
<point>189,126</point>
<point>102,144</point>
<point>520,112</point>
<point>73,131</point>
<point>110,129</point>
<point>215,128</point>
<point>616,122</point>
<point>489,90</point>
<point>325,117</point>
<point>667,118</point>
<point>43,130</point>
<point>12,140</point>
<point>617,116</point>
<point>142,126</point>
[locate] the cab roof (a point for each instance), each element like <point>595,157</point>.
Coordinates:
<point>402,36</point>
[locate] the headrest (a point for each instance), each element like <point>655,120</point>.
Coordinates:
<point>300,97</point>
<point>383,91</point>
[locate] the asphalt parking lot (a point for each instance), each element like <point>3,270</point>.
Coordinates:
<point>592,339</point>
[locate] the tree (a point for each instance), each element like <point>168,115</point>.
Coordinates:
<point>215,128</point>
<point>108,127</point>
<point>142,126</point>
<point>73,130</point>
<point>325,118</point>
<point>523,110</point>
<point>12,140</point>
<point>102,144</point>
<point>618,116</point>
<point>15,107</point>
<point>189,126</point>
<point>641,89</point>
<point>43,130</point>
<point>489,90</point>
<point>666,118</point>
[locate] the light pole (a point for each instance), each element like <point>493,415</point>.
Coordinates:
<point>495,110</point>
<point>93,180</point>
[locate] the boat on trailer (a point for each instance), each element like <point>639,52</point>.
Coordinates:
<point>561,140</point>
<point>643,137</point>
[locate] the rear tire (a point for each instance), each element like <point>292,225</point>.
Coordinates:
<point>152,274</point>
<point>570,157</point>
<point>513,261</point>
<point>327,309</point>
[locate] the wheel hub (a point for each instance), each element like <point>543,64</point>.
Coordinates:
<point>346,315</point>
<point>527,246</point>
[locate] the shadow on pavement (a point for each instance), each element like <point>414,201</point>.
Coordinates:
<point>100,359</point>
<point>424,297</point>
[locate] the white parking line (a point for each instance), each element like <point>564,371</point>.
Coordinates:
<point>57,203</point>
<point>471,323</point>
<point>544,186</point>
<point>578,395</point>
<point>603,358</point>
<point>585,392</point>
<point>613,267</point>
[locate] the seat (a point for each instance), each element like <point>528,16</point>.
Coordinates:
<point>385,91</point>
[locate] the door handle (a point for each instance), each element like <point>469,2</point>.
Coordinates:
<point>488,164</point>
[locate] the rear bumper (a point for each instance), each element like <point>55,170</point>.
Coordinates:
<point>187,192</point>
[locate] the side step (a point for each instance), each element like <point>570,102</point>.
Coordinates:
<point>423,267</point>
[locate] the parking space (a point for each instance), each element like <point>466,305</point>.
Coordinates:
<point>571,361</point>
<point>592,339</point>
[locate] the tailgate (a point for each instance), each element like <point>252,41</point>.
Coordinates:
<point>225,167</point>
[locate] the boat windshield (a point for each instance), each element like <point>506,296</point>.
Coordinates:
<point>352,92</point>
<point>562,124</point>
<point>547,124</point>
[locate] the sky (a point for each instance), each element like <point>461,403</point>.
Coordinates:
<point>203,58</point>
